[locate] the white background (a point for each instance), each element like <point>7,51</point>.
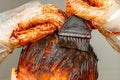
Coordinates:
<point>109,59</point>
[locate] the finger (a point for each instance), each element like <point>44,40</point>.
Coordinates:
<point>95,3</point>
<point>41,14</point>
<point>30,35</point>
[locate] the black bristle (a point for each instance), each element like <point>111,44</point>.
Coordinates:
<point>74,42</point>
<point>75,34</point>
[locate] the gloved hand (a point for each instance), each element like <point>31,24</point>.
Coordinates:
<point>26,24</point>
<point>104,15</point>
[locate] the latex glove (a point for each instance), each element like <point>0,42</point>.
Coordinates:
<point>104,15</point>
<point>26,24</point>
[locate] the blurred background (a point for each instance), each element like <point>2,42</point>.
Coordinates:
<point>109,59</point>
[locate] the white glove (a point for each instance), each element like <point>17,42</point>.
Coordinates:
<point>26,24</point>
<point>104,15</point>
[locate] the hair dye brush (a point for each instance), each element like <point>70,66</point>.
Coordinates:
<point>75,34</point>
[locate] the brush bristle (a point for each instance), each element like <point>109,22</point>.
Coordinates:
<point>74,42</point>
